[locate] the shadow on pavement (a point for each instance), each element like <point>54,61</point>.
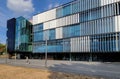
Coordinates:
<point>64,71</point>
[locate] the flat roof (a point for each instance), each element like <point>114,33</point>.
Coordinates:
<point>55,7</point>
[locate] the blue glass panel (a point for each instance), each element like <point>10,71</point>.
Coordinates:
<point>51,34</point>
<point>91,15</point>
<point>59,12</point>
<point>53,46</point>
<point>71,31</point>
<point>119,43</point>
<point>66,10</point>
<point>38,36</point>
<point>114,45</point>
<point>63,11</point>
<point>37,28</point>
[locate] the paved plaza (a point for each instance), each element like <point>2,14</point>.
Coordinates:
<point>108,70</point>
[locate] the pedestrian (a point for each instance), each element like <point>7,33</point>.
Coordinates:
<point>27,60</point>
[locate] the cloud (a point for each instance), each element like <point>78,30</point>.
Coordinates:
<point>3,27</point>
<point>3,34</point>
<point>56,5</point>
<point>3,20</point>
<point>3,24</point>
<point>50,6</point>
<point>20,6</point>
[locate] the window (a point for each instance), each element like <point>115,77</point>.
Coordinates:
<point>38,36</point>
<point>71,31</point>
<point>37,28</point>
<point>66,10</point>
<point>52,34</point>
<point>59,12</point>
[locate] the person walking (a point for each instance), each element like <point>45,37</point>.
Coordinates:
<point>27,60</point>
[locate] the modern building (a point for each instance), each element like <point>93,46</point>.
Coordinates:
<point>23,36</point>
<point>20,36</point>
<point>79,30</point>
<point>11,35</point>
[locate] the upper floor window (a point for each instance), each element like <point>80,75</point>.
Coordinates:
<point>37,28</point>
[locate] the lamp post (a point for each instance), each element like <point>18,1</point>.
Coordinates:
<point>70,57</point>
<point>15,56</point>
<point>70,52</point>
<point>46,49</point>
<point>6,52</point>
<point>91,57</point>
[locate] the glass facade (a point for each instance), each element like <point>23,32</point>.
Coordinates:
<point>104,43</point>
<point>71,31</point>
<point>80,30</point>
<point>52,46</point>
<point>38,36</point>
<point>11,35</point>
<point>96,43</point>
<point>80,26</point>
<point>23,37</point>
<point>52,34</point>
<point>38,32</point>
<point>38,28</point>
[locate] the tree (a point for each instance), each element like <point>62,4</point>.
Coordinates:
<point>2,48</point>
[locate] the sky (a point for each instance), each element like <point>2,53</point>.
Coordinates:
<point>27,8</point>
